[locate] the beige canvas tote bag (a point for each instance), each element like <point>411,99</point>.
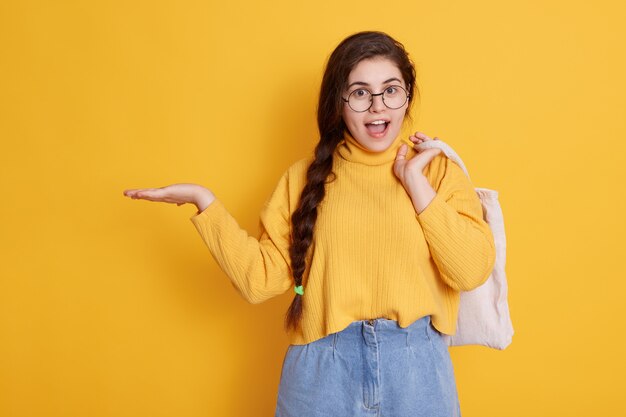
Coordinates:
<point>484,317</point>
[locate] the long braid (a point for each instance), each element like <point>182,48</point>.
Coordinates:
<point>304,218</point>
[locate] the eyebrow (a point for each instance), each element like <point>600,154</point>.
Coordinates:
<point>366,84</point>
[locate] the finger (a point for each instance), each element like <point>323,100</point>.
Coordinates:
<point>415,139</point>
<point>130,192</point>
<point>424,136</point>
<point>152,194</point>
<point>137,190</point>
<point>416,136</point>
<point>402,152</point>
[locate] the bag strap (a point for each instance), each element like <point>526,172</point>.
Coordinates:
<point>447,150</point>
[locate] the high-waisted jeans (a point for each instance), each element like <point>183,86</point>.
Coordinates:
<point>371,368</point>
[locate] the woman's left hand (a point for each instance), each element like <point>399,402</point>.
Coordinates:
<point>410,171</point>
<point>411,175</point>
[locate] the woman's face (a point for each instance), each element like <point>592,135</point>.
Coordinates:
<point>376,128</point>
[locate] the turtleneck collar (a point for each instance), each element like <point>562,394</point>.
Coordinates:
<point>351,150</point>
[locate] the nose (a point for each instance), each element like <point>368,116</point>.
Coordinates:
<point>377,103</point>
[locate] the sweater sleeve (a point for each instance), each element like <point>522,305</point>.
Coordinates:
<point>258,268</point>
<point>460,241</point>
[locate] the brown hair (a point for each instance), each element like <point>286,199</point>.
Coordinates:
<point>345,57</point>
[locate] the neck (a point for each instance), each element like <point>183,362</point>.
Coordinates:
<point>351,150</point>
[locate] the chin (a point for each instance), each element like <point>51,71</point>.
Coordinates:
<point>377,144</point>
<point>380,146</point>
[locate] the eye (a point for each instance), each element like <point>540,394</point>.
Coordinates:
<point>389,91</point>
<point>360,93</point>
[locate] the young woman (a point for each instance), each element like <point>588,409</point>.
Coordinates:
<point>375,239</point>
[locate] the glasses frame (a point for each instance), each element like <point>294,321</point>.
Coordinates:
<point>372,95</point>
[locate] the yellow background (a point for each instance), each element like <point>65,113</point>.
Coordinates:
<point>114,307</point>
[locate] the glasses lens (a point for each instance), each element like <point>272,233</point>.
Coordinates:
<point>395,96</point>
<point>360,100</point>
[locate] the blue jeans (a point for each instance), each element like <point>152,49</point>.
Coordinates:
<point>371,368</point>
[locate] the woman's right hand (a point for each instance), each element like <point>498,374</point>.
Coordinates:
<point>180,194</point>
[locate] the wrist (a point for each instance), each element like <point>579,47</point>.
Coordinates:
<point>203,199</point>
<point>421,193</point>
<point>416,184</point>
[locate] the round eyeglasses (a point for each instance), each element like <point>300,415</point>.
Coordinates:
<point>361,99</point>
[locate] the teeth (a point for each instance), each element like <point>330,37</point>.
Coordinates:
<point>378,122</point>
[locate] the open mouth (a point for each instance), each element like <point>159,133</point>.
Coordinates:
<point>377,128</point>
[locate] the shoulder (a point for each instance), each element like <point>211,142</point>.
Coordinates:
<point>292,180</point>
<point>435,171</point>
<point>296,173</point>
<point>444,172</point>
<point>439,165</point>
<point>300,165</point>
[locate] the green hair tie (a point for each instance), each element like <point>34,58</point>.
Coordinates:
<point>299,290</point>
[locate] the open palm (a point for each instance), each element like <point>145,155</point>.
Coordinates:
<point>178,194</point>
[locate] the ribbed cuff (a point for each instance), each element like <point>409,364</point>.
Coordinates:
<point>433,210</point>
<point>208,213</point>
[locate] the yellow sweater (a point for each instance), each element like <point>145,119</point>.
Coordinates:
<point>372,256</point>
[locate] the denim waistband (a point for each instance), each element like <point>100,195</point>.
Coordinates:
<point>376,331</point>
